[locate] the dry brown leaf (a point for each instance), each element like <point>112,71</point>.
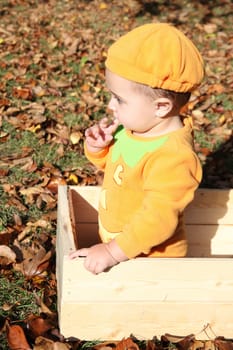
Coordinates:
<point>182,342</point>
<point>3,172</point>
<point>59,83</point>
<point>61,131</point>
<point>4,102</point>
<point>127,344</point>
<point>30,194</point>
<point>216,88</point>
<point>38,91</point>
<point>36,263</point>
<point>38,326</point>
<point>197,345</point>
<point>73,46</point>
<point>6,238</point>
<point>48,199</point>
<point>44,308</point>
<point>42,343</point>
<point>150,345</point>
<point>39,196</point>
<point>209,345</point>
<point>54,182</point>
<point>23,93</point>
<point>16,338</point>
<point>210,28</point>
<point>223,344</point>
<point>7,255</point>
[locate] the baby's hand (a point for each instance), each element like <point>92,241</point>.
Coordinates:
<point>97,258</point>
<point>100,257</point>
<point>100,135</point>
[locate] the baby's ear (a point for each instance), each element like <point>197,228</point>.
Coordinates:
<point>162,106</point>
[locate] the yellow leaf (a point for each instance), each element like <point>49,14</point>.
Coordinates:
<point>73,178</point>
<point>103,6</point>
<point>222,119</point>
<point>34,128</point>
<point>75,137</point>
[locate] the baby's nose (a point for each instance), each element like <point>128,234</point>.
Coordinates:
<point>111,104</point>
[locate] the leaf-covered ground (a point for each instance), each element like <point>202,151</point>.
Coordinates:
<point>52,56</point>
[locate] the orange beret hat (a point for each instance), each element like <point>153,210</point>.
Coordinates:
<point>158,55</point>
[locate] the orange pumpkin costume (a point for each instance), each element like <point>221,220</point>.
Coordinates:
<point>147,184</point>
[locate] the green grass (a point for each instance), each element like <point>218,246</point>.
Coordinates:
<point>9,210</point>
<point>41,153</point>
<point>16,302</point>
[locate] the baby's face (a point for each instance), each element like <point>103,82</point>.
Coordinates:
<point>133,109</point>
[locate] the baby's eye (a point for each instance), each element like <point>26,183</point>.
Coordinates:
<point>118,99</point>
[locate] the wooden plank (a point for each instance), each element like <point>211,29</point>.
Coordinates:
<point>208,207</point>
<point>211,206</point>
<point>63,222</point>
<point>83,208</point>
<point>197,280</point>
<point>145,297</point>
<point>210,240</point>
<point>203,240</point>
<point>64,238</point>
<point>106,321</point>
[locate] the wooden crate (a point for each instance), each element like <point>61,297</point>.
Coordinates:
<point>146,296</point>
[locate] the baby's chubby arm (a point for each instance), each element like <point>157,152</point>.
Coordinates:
<point>100,135</point>
<point>101,256</point>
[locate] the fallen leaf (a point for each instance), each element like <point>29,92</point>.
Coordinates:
<point>75,137</point>
<point>209,345</point>
<point>22,93</point>
<point>197,345</point>
<point>54,182</point>
<point>38,325</point>
<point>127,344</point>
<point>4,102</point>
<point>5,239</point>
<point>197,113</point>
<point>103,6</point>
<point>36,264</point>
<point>223,344</point>
<point>7,255</point>
<point>16,338</point>
<point>42,343</point>
<point>73,179</point>
<point>182,343</point>
<point>210,28</point>
<point>216,88</point>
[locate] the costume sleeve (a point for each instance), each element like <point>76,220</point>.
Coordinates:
<point>97,158</point>
<point>168,189</point>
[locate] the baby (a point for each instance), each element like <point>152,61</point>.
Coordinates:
<point>150,168</point>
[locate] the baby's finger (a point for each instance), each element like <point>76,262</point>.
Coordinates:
<point>79,253</point>
<point>113,126</point>
<point>92,132</point>
<point>104,120</point>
